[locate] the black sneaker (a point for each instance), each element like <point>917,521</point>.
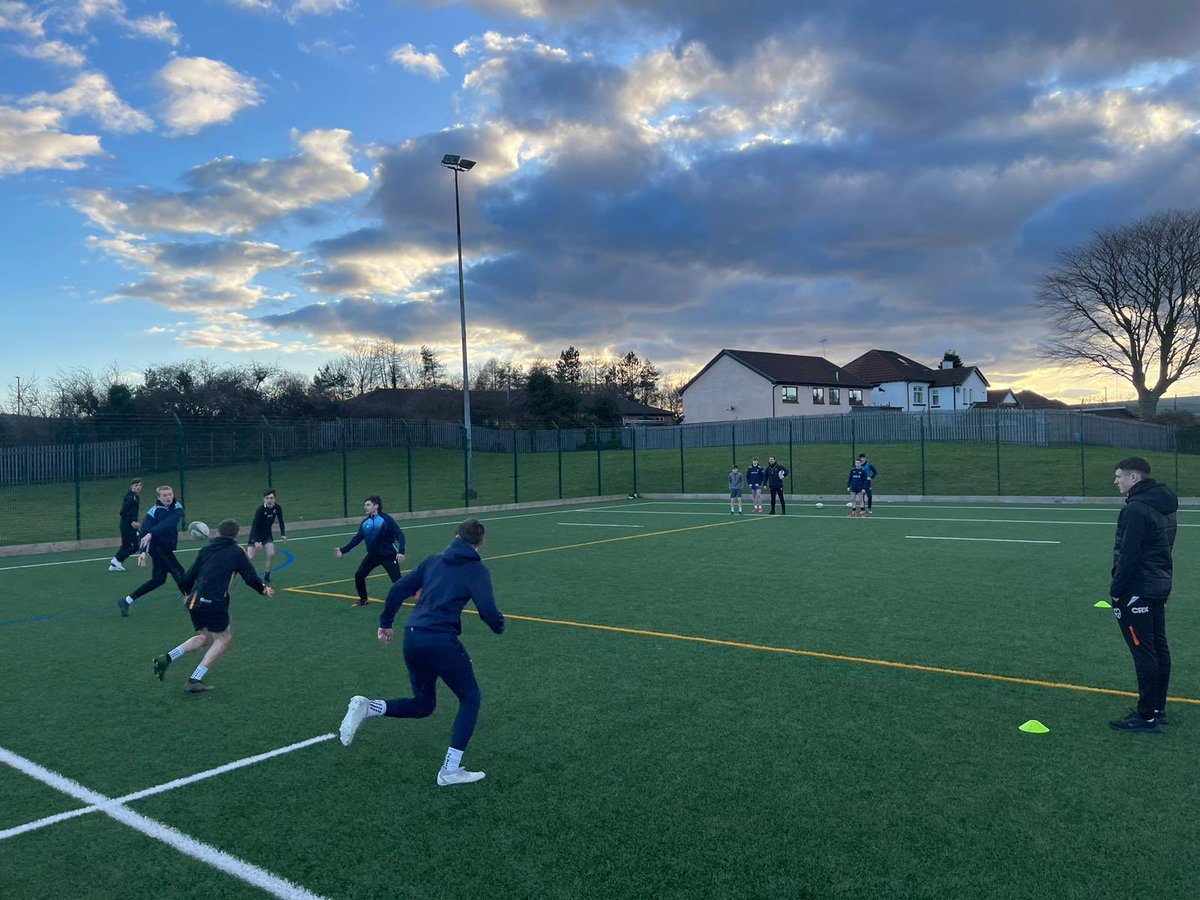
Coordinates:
<point>196,687</point>
<point>123,605</point>
<point>358,603</point>
<point>1161,717</point>
<point>160,665</point>
<point>1135,722</point>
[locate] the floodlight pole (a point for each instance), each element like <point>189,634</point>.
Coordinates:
<point>457,164</point>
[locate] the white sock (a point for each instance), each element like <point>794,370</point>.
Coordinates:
<point>113,561</point>
<point>176,653</point>
<point>200,672</point>
<point>453,759</point>
<point>129,600</point>
<point>376,708</point>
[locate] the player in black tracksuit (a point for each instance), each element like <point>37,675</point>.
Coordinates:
<point>261,527</point>
<point>207,585</point>
<point>128,522</point>
<point>160,537</point>
<point>775,476</point>
<point>385,546</point>
<point>1141,584</point>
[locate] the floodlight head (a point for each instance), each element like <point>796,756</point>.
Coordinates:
<point>458,163</point>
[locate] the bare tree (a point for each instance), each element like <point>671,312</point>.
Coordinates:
<point>1128,303</point>
<point>362,364</point>
<point>399,367</point>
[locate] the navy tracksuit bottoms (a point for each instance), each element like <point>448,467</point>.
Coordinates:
<point>431,655</point>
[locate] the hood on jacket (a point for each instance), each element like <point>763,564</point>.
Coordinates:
<point>460,552</point>
<point>1157,496</point>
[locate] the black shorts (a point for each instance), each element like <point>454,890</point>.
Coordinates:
<point>261,539</point>
<point>213,617</point>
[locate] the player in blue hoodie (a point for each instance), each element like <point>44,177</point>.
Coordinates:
<point>432,649</point>
<point>160,537</point>
<point>385,546</point>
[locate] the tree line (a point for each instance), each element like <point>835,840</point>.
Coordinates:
<point>571,387</point>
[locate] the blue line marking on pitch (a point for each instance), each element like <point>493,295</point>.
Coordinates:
<point>291,558</point>
<point>94,611</point>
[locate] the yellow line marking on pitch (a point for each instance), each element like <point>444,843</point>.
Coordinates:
<point>792,651</point>
<point>625,537</point>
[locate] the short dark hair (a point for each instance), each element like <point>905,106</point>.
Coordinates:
<point>268,492</point>
<point>471,531</point>
<point>135,481</point>
<point>861,456</point>
<point>377,500</point>
<point>229,528</point>
<point>1134,464</point>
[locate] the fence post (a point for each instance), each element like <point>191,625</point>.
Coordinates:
<point>853,437</point>
<point>345,470</point>
<point>466,467</point>
<point>921,429</point>
<point>1082,460</point>
<point>633,444</point>
<point>1175,440</point>
<point>266,440</point>
<point>558,449</point>
<point>791,468</point>
<point>998,491</point>
<point>516,476</point>
<point>733,443</point>
<point>679,431</point>
<point>182,442</point>
<point>408,460</point>
<point>599,482</point>
<point>78,467</point>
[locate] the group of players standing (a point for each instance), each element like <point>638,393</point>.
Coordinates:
<point>432,649</point>
<point>862,474</point>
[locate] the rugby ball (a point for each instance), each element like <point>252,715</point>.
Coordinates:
<point>820,506</point>
<point>850,503</point>
<point>199,531</point>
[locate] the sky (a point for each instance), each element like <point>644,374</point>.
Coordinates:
<point>259,180</point>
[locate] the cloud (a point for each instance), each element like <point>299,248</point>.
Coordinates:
<point>209,275</point>
<point>231,197</point>
<point>236,333</point>
<point>91,94</point>
<point>59,53</point>
<point>158,27</point>
<point>301,8</point>
<point>32,139</point>
<point>202,92</point>
<point>20,18</point>
<point>408,57</point>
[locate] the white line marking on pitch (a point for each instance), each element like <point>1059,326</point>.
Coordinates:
<point>307,537</point>
<point>926,537</point>
<point>189,846</point>
<point>886,517</point>
<point>597,525</point>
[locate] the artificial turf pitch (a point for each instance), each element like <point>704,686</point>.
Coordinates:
<point>683,749</point>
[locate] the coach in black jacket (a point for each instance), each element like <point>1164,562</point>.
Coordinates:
<point>1141,584</point>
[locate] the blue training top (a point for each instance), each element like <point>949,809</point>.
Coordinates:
<point>382,535</point>
<point>163,523</point>
<point>857,481</point>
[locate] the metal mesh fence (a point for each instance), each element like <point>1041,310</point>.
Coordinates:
<point>64,479</point>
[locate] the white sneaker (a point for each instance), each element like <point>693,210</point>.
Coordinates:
<point>356,712</point>
<point>114,566</point>
<point>457,775</point>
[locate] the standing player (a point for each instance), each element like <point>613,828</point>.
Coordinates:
<point>432,649</point>
<point>755,476</point>
<point>1141,585</point>
<point>856,484</point>
<point>160,537</point>
<point>385,546</point>
<point>775,475</point>
<point>207,583</point>
<point>261,528</point>
<point>736,482</point>
<point>872,474</point>
<point>128,521</point>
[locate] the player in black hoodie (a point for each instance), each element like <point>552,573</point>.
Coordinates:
<point>128,523</point>
<point>1141,584</point>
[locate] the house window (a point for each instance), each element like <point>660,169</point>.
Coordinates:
<point>835,396</point>
<point>854,396</point>
<point>918,395</point>
<point>791,395</point>
<point>970,395</point>
<point>934,401</point>
<point>818,396</point>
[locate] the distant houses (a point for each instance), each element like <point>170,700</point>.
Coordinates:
<point>746,384</point>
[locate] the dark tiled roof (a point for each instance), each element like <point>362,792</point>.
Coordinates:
<point>789,368</point>
<point>995,398</point>
<point>1032,400</point>
<point>949,377</point>
<point>881,366</point>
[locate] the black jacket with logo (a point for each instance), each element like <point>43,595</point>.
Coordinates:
<point>1145,536</point>
<point>211,575</point>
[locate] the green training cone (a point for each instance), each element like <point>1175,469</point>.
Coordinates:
<point>1103,604</point>
<point>1033,726</point>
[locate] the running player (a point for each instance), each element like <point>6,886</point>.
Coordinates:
<point>261,530</point>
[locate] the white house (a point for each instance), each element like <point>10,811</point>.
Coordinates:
<point>899,382</point>
<point>747,384</point>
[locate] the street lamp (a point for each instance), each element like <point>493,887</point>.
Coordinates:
<point>458,164</point>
